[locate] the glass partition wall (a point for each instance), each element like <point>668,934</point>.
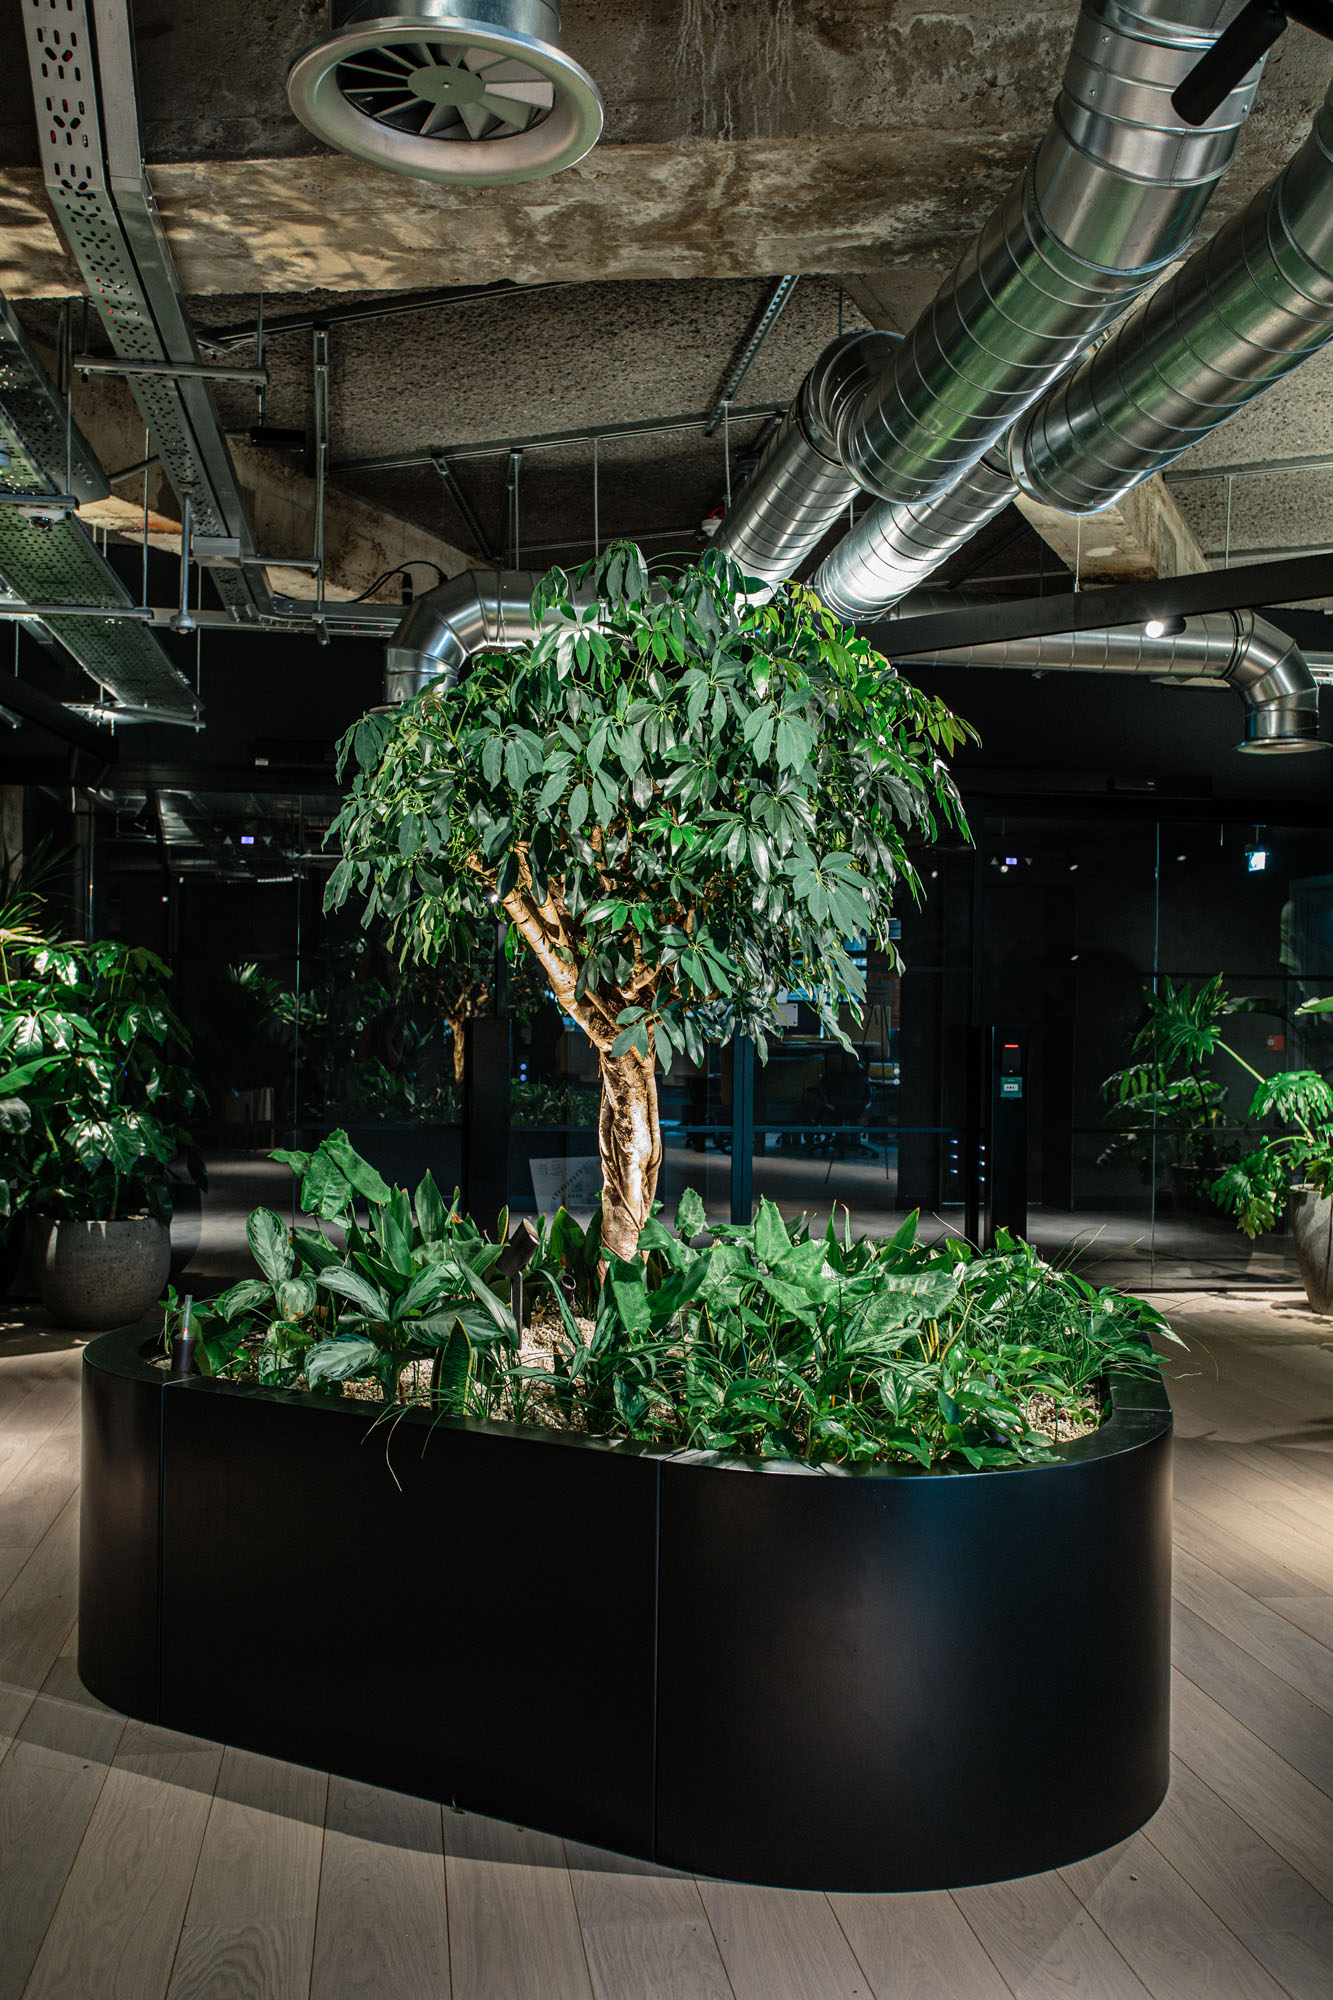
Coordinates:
<point>1065,923</point>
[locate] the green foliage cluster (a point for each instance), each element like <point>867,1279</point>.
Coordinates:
<point>685,803</point>
<point>544,1102</point>
<point>1170,1106</point>
<point>1255,1188</point>
<point>409,1284</point>
<point>96,1084</point>
<point>763,1340</point>
<point>377,1040</point>
<point>769,1341</point>
<point>1167,1109</point>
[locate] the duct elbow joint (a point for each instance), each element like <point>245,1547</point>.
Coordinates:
<point>1280,693</point>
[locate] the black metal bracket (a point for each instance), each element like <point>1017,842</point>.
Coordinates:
<point>1239,47</point>
<point>1245,586</point>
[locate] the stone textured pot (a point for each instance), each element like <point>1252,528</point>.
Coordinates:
<point>95,1275</point>
<point>1312,1227</point>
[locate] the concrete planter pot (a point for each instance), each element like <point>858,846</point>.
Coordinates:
<point>1312,1227</point>
<point>94,1275</point>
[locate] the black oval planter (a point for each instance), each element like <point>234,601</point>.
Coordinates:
<point>881,1680</point>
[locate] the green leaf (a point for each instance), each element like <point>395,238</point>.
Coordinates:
<point>431,1213</point>
<point>362,1176</point>
<point>578,807</point>
<point>691,1215</point>
<point>552,790</point>
<point>455,1371</point>
<point>356,1287</point>
<point>314,1249</point>
<point>269,1245</point>
<point>771,1241</point>
<point>247,1297</point>
<point>428,1287</point>
<point>294,1297</point>
<point>337,1359</point>
<point>326,1190</point>
<point>627,1289</point>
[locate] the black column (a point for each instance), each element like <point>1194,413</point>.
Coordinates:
<point>742,1128</point>
<point>484,1176</point>
<point>1006,1184</point>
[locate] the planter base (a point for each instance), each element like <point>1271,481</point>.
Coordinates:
<point>885,1680</point>
<point>92,1275</point>
<point>1312,1229</point>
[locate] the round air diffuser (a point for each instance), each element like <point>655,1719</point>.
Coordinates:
<point>472,91</point>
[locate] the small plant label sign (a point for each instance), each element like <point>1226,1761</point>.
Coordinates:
<point>560,1183</point>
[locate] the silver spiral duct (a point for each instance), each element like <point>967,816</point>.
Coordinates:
<point>1266,668</point>
<point>1252,305</point>
<point>800,486</point>
<point>443,627</point>
<point>1114,192</point>
<point>895,546</point>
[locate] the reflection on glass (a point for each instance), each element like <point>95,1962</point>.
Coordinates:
<point>1066,923</point>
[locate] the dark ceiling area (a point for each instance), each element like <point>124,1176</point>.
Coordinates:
<point>500,392</point>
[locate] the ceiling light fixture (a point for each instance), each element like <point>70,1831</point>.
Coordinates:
<point>1164,628</point>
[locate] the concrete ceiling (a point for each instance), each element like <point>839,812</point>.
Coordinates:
<point>744,138</point>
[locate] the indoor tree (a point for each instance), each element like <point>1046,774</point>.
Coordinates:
<point>684,803</point>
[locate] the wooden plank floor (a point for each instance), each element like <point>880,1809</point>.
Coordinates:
<point>140,1865</point>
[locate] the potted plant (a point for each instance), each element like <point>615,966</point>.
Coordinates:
<point>684,804</point>
<point>1293,1166</point>
<point>783,1507</point>
<point>1167,1110</point>
<point>97,1088</point>
<point>786,1502</point>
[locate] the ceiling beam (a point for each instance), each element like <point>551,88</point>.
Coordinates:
<point>1241,588</point>
<point>21,698</point>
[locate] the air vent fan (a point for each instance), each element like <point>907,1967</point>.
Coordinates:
<point>473,91</point>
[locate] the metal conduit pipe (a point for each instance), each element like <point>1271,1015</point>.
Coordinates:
<point>1114,192</point>
<point>896,545</point>
<point>1234,648</point>
<point>443,627</point>
<point>800,486</point>
<point>1252,305</point>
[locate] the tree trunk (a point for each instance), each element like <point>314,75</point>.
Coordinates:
<point>630,1140</point>
<point>456,1026</point>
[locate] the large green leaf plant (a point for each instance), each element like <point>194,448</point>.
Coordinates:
<point>759,1339</point>
<point>684,804</point>
<point>1168,1109</point>
<point>351,1300</point>
<point>96,1087</point>
<point>1255,1188</point>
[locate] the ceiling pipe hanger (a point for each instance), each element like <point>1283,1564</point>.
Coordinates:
<point>1243,43</point>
